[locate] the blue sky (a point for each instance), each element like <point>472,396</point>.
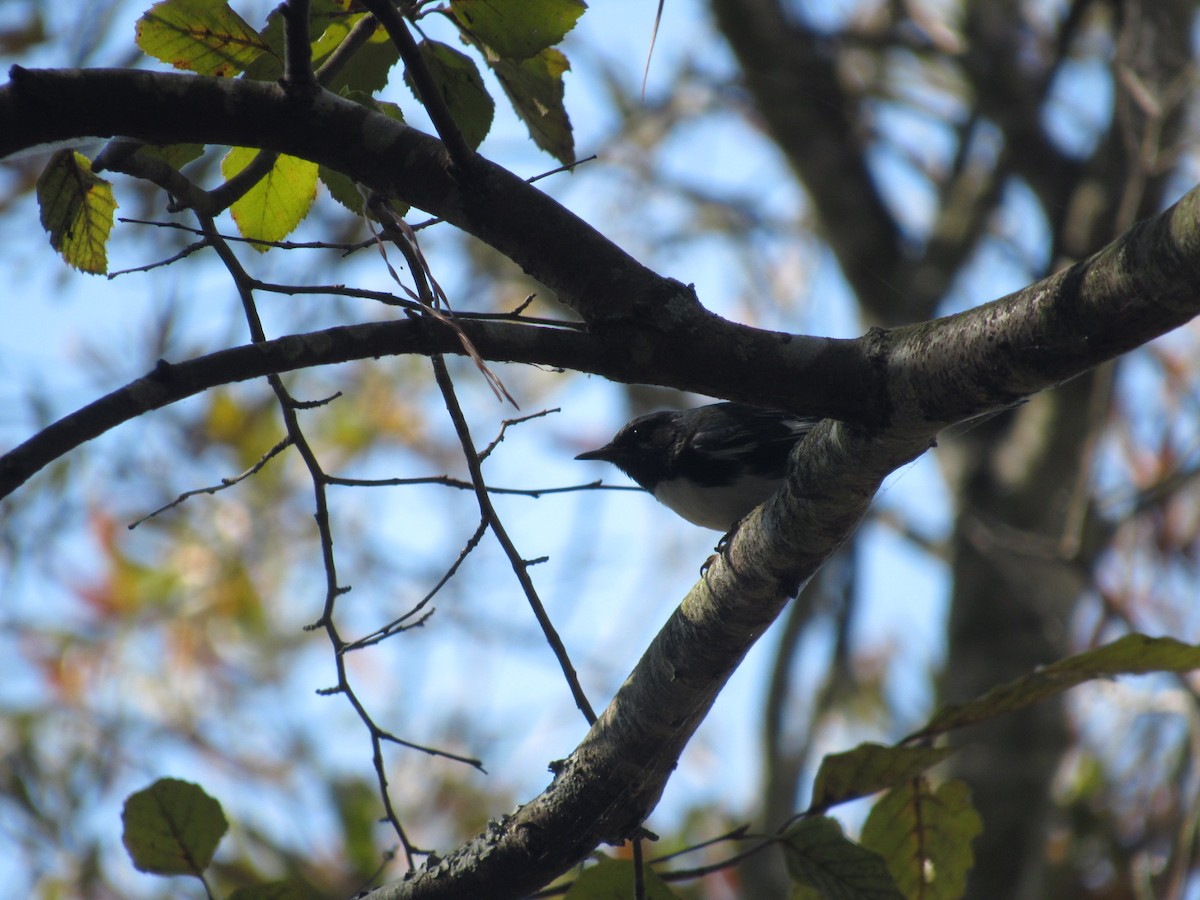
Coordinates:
<point>618,562</point>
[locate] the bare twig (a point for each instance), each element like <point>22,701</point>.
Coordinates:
<point>519,565</point>
<point>448,481</point>
<point>737,834</point>
<point>437,220</point>
<point>650,51</point>
<point>447,129</point>
<point>182,254</point>
<point>237,238</point>
<point>224,483</point>
<point>333,590</point>
<point>487,451</point>
<point>362,31</point>
<point>398,625</point>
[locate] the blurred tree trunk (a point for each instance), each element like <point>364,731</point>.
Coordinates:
<point>1020,555</point>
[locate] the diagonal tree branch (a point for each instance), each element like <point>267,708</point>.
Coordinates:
<point>926,375</point>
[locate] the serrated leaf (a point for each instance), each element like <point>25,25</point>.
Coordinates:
<point>1134,654</point>
<point>869,768</point>
<point>612,879</point>
<point>271,209</point>
<point>203,36</point>
<point>535,88</point>
<point>925,837</point>
<point>518,29</point>
<point>818,855</point>
<point>461,86</point>
<point>172,828</point>
<point>76,208</point>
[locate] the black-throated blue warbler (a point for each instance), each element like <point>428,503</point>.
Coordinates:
<point>712,465</point>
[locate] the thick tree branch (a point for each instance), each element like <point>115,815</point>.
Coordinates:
<point>614,778</point>
<point>804,362</point>
<point>921,377</point>
<point>587,271</point>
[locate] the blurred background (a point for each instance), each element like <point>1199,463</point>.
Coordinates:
<point>817,167</point>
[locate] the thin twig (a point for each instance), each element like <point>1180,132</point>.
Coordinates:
<point>182,254</point>
<point>433,751</point>
<point>487,451</point>
<point>393,627</point>
<point>431,98</point>
<point>448,481</point>
<point>214,488</point>
<point>237,238</point>
<point>650,51</point>
<point>437,220</point>
<point>362,31</point>
<point>520,566</point>
<point>429,293</point>
<point>737,834</point>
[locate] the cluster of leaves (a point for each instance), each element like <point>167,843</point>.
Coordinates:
<point>515,39</point>
<point>916,842</point>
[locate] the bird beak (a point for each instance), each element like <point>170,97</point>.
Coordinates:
<point>601,453</point>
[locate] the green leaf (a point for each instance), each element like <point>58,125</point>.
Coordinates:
<point>269,66</point>
<point>612,879</point>
<point>203,36</point>
<point>77,209</point>
<point>172,828</point>
<point>371,63</point>
<point>925,837</point>
<point>461,87</point>
<point>1134,654</point>
<point>518,29</point>
<point>869,768</point>
<point>367,69</point>
<point>271,209</point>
<point>819,856</point>
<point>535,87</point>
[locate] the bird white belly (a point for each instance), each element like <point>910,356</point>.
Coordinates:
<point>718,508</point>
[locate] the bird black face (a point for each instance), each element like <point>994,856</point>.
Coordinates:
<point>641,449</point>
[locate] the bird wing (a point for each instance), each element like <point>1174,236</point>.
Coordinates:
<point>733,438</point>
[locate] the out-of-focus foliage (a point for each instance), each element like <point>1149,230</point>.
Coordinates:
<point>178,646</point>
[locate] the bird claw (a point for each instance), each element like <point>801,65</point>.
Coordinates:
<point>722,549</point>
